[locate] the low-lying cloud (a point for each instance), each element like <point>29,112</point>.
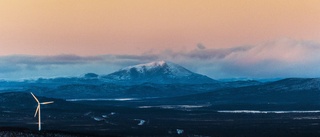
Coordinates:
<point>280,58</point>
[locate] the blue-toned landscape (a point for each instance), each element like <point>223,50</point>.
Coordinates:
<point>161,99</point>
<point>159,68</point>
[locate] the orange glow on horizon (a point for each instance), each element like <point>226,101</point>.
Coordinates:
<point>91,27</point>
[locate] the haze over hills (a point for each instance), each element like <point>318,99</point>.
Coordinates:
<point>160,72</point>
<point>155,79</point>
<point>165,79</point>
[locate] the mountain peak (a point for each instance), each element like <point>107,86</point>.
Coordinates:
<point>158,72</point>
<point>147,65</point>
<point>159,63</point>
<point>165,67</point>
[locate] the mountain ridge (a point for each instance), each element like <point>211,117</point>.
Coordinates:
<point>157,72</point>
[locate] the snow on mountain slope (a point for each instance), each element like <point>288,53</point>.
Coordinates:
<point>158,72</point>
<point>168,69</point>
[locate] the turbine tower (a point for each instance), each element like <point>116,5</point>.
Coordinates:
<point>38,109</point>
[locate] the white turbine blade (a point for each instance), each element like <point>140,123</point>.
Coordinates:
<point>35,97</point>
<point>35,114</point>
<point>44,103</point>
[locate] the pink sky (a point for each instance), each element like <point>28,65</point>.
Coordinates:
<point>95,27</point>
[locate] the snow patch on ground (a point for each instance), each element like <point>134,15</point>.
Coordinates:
<point>267,112</point>
<point>103,99</point>
<point>307,118</point>
<point>141,122</point>
<point>180,131</point>
<point>176,106</point>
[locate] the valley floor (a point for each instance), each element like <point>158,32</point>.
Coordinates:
<point>118,121</point>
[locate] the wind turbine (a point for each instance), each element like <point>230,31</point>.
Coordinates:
<point>38,109</point>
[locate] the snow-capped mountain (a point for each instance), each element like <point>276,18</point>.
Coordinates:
<point>158,72</point>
